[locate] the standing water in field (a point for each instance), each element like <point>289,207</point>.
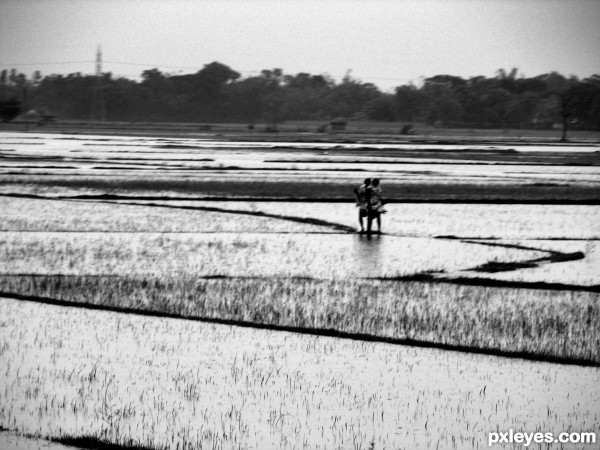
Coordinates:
<point>369,254</point>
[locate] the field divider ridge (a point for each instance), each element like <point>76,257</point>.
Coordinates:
<point>391,200</point>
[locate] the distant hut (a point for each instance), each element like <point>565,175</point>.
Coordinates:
<point>31,116</point>
<point>338,124</point>
<point>36,116</point>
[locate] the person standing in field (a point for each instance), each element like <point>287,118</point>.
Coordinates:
<point>361,202</point>
<point>374,197</point>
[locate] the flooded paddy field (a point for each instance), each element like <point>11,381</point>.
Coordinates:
<point>485,249</point>
<point>156,382</point>
<point>74,164</point>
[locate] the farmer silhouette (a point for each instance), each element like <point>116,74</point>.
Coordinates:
<point>374,198</point>
<point>361,202</point>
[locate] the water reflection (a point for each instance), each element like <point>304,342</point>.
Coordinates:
<point>368,251</point>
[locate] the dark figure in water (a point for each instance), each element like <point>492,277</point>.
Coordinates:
<point>361,202</point>
<point>374,197</point>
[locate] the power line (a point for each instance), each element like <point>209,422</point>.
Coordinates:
<point>45,63</point>
<point>152,65</point>
<point>99,62</point>
<point>98,111</point>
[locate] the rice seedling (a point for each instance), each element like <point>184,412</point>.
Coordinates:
<point>171,384</point>
<point>539,323</point>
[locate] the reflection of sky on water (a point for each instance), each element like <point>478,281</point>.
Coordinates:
<point>127,156</point>
<point>57,140</point>
<point>408,220</point>
<point>584,271</point>
<point>88,237</point>
<point>369,253</point>
<point>439,219</point>
<point>323,256</point>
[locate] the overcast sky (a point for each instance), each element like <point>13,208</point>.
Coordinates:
<point>388,43</point>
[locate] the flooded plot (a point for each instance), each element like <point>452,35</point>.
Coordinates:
<point>128,156</point>
<point>60,140</point>
<point>14,441</point>
<point>466,224</point>
<point>151,242</point>
<point>91,216</point>
<point>164,382</point>
<point>316,239</point>
<point>582,272</point>
<point>439,219</point>
<point>245,254</point>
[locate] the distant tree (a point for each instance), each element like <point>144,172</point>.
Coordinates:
<point>209,90</point>
<point>350,96</point>
<point>9,109</point>
<point>273,78</point>
<point>534,85</point>
<point>306,81</point>
<point>563,90</point>
<point>503,75</point>
<point>381,108</point>
<point>443,105</point>
<point>36,78</point>
<point>305,96</point>
<point>448,81</point>
<point>152,76</point>
<point>119,103</point>
<point>218,93</point>
<point>554,82</point>
<point>580,107</point>
<point>410,102</point>
<point>154,96</point>
<point>496,106</point>
<point>508,81</point>
<point>520,109</point>
<point>593,111</point>
<point>566,110</point>
<point>12,78</point>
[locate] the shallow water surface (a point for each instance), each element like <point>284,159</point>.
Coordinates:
<point>327,256</point>
<point>134,156</point>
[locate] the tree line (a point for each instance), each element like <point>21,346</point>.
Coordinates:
<point>217,93</point>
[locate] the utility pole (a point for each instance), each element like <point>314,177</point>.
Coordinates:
<point>98,111</point>
<point>99,62</point>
